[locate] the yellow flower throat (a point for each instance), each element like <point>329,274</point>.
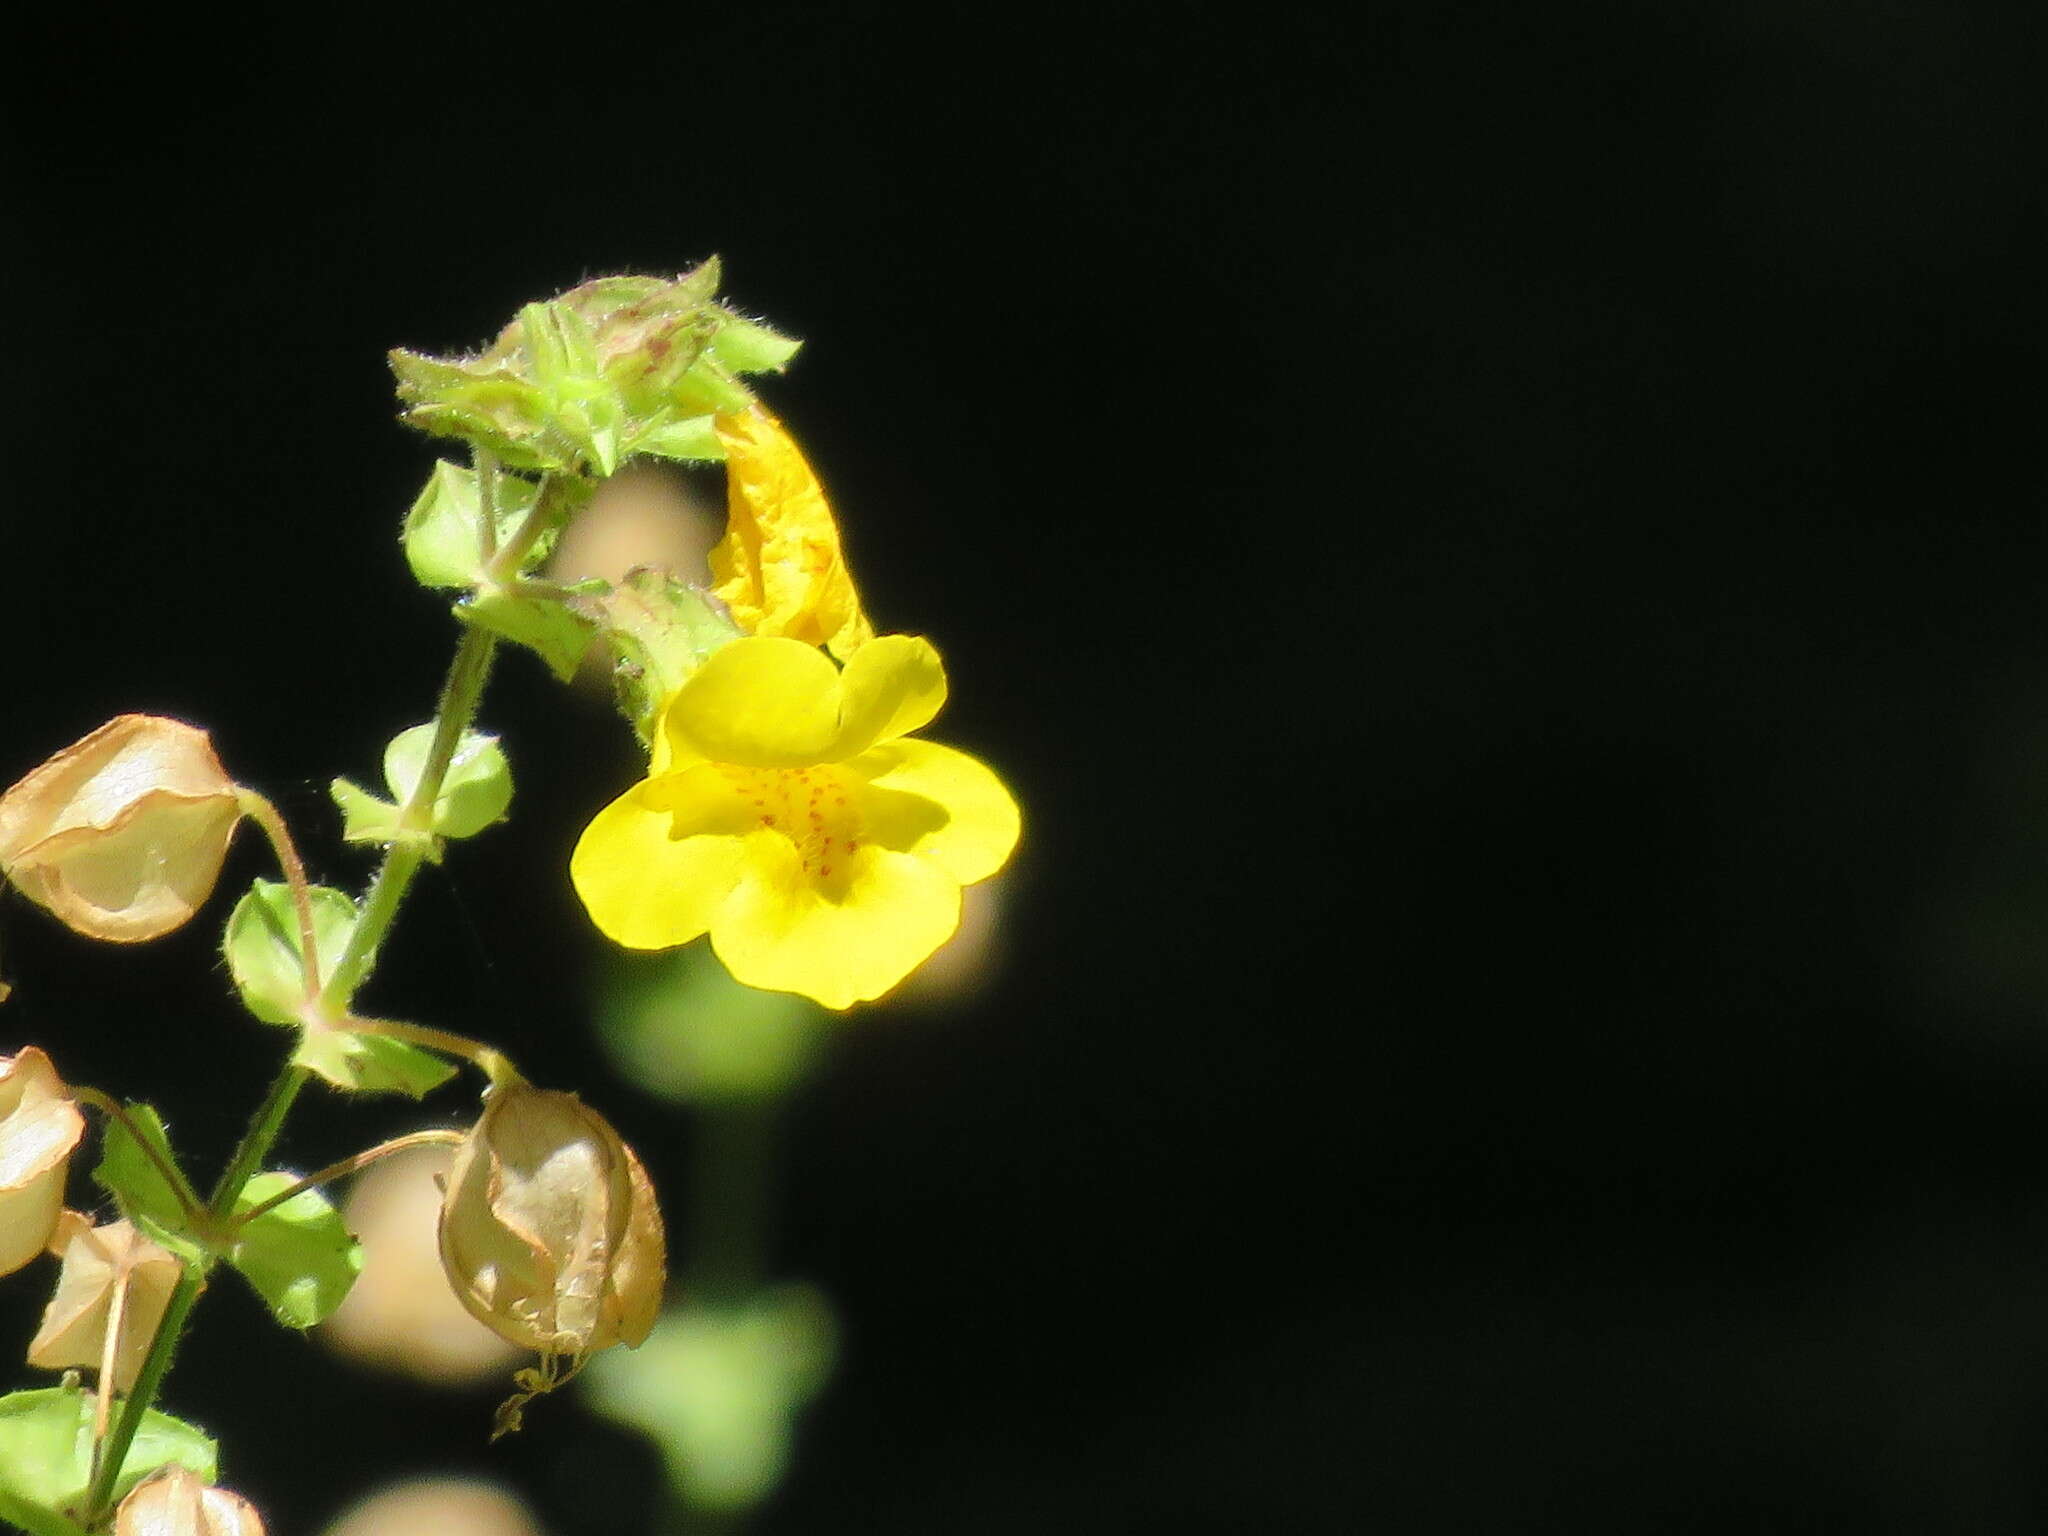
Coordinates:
<point>815,808</point>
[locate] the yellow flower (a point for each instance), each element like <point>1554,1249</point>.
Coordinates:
<point>786,815</point>
<point>779,567</point>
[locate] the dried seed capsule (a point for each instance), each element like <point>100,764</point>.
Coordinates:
<point>176,1503</point>
<point>122,834</point>
<point>549,1231</point>
<point>112,1276</point>
<point>39,1130</point>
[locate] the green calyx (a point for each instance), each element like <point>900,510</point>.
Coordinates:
<point>264,958</point>
<point>46,1457</point>
<point>615,367</point>
<point>475,792</point>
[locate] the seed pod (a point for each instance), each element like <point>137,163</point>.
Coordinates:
<point>176,1503</point>
<point>549,1230</point>
<point>39,1130</point>
<point>113,1277</point>
<point>122,834</point>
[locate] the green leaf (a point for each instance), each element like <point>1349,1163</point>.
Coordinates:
<point>263,947</point>
<point>540,624</point>
<point>691,439</point>
<point>443,536</point>
<point>475,791</point>
<point>658,630</point>
<point>747,346</point>
<point>46,1439</point>
<point>711,386</point>
<point>370,1063</point>
<point>126,1172</point>
<point>364,817</point>
<point>298,1255</point>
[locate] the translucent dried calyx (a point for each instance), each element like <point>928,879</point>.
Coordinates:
<point>176,1503</point>
<point>549,1229</point>
<point>39,1130</point>
<point>114,1286</point>
<point>122,834</point>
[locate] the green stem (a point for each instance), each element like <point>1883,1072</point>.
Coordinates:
<point>493,1063</point>
<point>115,1452</point>
<point>460,695</point>
<point>266,816</point>
<point>350,1165</point>
<point>169,1172</point>
<point>503,567</point>
<point>258,1139</point>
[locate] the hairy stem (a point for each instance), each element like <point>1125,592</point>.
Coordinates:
<point>114,1450</point>
<point>266,816</point>
<point>461,693</point>
<point>350,1165</point>
<point>114,1109</point>
<point>258,1139</point>
<point>490,1061</point>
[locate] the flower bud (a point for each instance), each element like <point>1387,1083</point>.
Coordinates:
<point>112,1276</point>
<point>176,1503</point>
<point>122,834</point>
<point>39,1130</point>
<point>549,1230</point>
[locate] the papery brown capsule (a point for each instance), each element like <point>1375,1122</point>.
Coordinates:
<point>549,1229</point>
<point>176,1503</point>
<point>122,834</point>
<point>39,1130</point>
<point>113,1278</point>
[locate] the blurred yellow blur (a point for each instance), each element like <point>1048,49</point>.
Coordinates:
<point>402,1316</point>
<point>437,1506</point>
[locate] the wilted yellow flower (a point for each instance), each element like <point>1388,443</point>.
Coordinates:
<point>39,1129</point>
<point>786,815</point>
<point>779,567</point>
<point>122,834</point>
<point>176,1503</point>
<point>549,1230</point>
<point>113,1278</point>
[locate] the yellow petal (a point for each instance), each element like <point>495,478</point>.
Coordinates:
<point>764,703</point>
<point>646,888</point>
<point>779,567</point>
<point>939,804</point>
<point>893,686</point>
<point>782,932</point>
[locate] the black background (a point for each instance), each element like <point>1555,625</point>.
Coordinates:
<point>1500,549</point>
